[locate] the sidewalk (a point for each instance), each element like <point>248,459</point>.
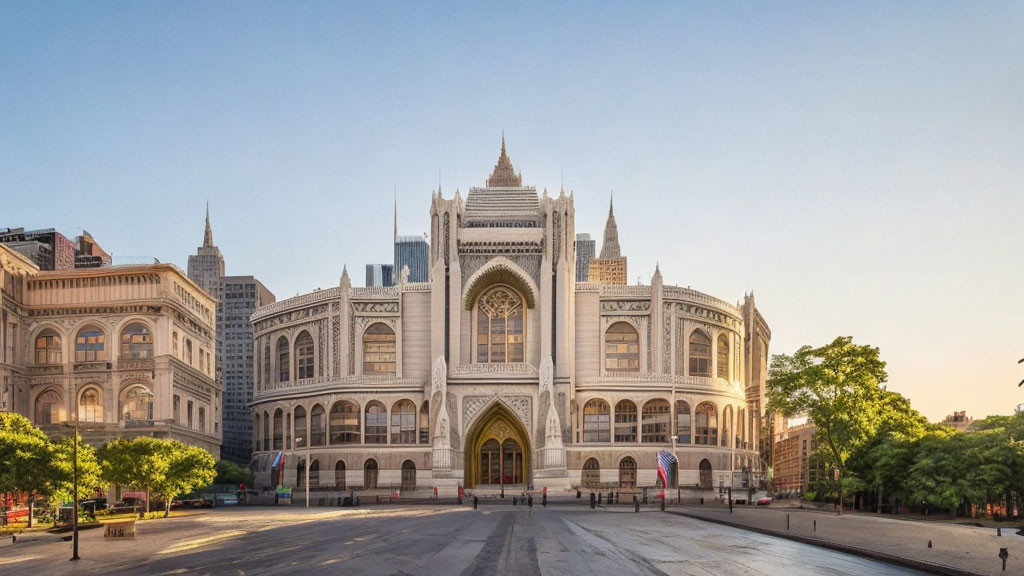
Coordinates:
<point>956,549</point>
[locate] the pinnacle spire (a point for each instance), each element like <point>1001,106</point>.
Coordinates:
<point>504,175</point>
<point>208,234</point>
<point>610,247</point>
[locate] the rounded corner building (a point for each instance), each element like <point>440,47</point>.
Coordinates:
<point>504,371</point>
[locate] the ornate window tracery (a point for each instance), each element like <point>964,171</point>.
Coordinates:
<point>500,326</point>
<point>379,350</point>
<point>723,356</point>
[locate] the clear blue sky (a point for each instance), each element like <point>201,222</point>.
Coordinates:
<point>858,165</point>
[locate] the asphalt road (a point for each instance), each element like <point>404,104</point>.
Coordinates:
<point>434,540</point>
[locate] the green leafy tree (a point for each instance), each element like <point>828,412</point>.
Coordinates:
<point>189,468</point>
<point>939,476</point>
<point>59,485</point>
<point>141,463</point>
<point>839,387</point>
<point>230,473</point>
<point>24,456</point>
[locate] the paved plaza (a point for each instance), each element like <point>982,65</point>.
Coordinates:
<point>434,540</point>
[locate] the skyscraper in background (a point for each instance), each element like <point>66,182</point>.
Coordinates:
<point>237,298</point>
<point>414,252</point>
<point>380,275</point>
<point>585,248</point>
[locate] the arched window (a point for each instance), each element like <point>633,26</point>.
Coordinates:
<point>137,404</point>
<point>300,472</point>
<point>255,427</point>
<point>596,421</point>
<point>48,348</point>
<point>136,342</point>
<point>591,474</point>
<point>283,361</point>
<point>89,345</point>
<point>301,434</point>
<point>370,474</point>
<point>726,425</point>
<point>287,430</point>
<point>500,326</point>
<point>376,423</point>
<point>408,475</point>
<point>706,416</point>
<point>314,474</point>
<point>705,473</point>
<point>339,475</point>
<point>278,429</point>
<point>266,430</point>
<point>90,407</point>
<point>304,356</point>
<point>317,426</point>
<point>683,423</point>
<point>48,408</point>
<point>344,423</point>
<point>700,354</point>
<point>723,356</point>
<point>266,363</point>
<point>379,349</point>
<point>403,422</point>
<point>425,423</point>
<point>627,473</point>
<point>625,421</point>
<point>621,348</point>
<point>654,422</point>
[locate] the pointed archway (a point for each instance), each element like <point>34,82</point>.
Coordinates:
<point>497,449</point>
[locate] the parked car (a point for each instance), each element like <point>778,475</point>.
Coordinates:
<point>764,500</point>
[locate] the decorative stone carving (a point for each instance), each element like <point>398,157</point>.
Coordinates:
<point>520,406</point>
<point>626,306</point>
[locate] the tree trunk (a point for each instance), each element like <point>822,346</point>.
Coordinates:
<point>840,492</point>
<point>881,490</point>
<point>167,508</point>
<point>31,500</point>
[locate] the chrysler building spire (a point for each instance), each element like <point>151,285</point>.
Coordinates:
<point>208,235</point>
<point>610,247</point>
<point>504,175</point>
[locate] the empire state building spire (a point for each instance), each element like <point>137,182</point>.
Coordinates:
<point>610,247</point>
<point>208,234</point>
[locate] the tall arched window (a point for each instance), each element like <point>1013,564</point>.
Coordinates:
<point>370,474</point>
<point>596,421</point>
<point>317,426</point>
<point>314,474</point>
<point>48,408</point>
<point>283,360</point>
<point>723,356</point>
<point>344,423</point>
<point>700,354</point>
<point>266,363</point>
<point>339,475</point>
<point>425,423</point>
<point>137,404</point>
<point>654,422</point>
<point>90,406</point>
<point>301,434</point>
<point>89,345</point>
<point>278,429</point>
<point>683,423</point>
<point>591,473</point>
<point>266,430</point>
<point>403,422</point>
<point>621,348</point>
<point>48,349</point>
<point>627,473</point>
<point>255,430</point>
<point>500,326</point>
<point>136,342</point>
<point>408,475</point>
<point>726,425</point>
<point>625,421</point>
<point>706,416</point>
<point>376,423</point>
<point>304,356</point>
<point>379,350</point>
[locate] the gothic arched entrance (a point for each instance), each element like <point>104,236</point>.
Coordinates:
<point>497,450</point>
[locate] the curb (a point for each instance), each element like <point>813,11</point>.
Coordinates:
<point>929,567</point>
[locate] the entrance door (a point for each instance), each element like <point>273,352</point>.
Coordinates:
<point>370,475</point>
<point>490,462</point>
<point>511,462</point>
<point>591,474</point>
<point>627,473</point>
<point>705,474</point>
<point>408,475</point>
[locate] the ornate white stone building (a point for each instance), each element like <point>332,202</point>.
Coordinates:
<point>128,350</point>
<point>502,369</point>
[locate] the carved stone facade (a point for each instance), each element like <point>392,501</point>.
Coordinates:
<point>435,382</point>
<point>130,349</point>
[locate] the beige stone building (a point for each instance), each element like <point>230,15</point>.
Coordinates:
<point>610,267</point>
<point>503,370</point>
<point>129,349</point>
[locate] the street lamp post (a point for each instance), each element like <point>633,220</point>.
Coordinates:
<point>297,440</point>
<point>74,493</point>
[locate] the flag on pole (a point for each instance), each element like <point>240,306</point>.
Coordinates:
<point>665,461</point>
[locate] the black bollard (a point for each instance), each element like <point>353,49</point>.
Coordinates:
<point>929,543</point>
<point>617,494</point>
<point>599,497</point>
<point>1003,555</point>
<point>636,505</point>
<point>475,502</point>
<point>529,501</point>
<point>815,526</point>
<point>578,494</point>
<point>662,503</point>
<point>787,522</point>
<point>544,500</point>
<point>515,500</point>
<point>701,500</point>
<point>593,501</point>
<point>999,531</point>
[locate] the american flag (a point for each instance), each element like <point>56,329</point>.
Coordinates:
<point>665,461</point>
